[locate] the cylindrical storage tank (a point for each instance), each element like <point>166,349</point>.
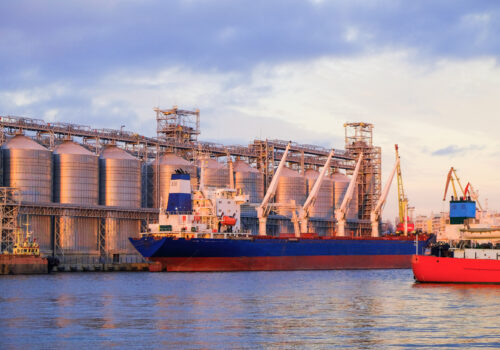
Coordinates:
<point>291,186</point>
<point>167,165</point>
<point>249,180</point>
<point>28,167</point>
<point>76,175</point>
<point>119,178</point>
<point>76,181</point>
<point>119,185</point>
<point>323,206</point>
<point>216,174</point>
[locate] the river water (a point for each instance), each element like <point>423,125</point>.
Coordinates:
<point>302,309</point>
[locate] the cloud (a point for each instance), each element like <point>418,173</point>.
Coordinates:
<point>452,150</point>
<point>83,40</point>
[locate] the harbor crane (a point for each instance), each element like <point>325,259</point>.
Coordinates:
<point>265,207</point>
<point>377,211</point>
<point>451,178</point>
<point>340,213</point>
<point>304,212</point>
<point>403,226</point>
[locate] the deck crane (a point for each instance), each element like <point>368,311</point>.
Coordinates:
<point>265,207</point>
<point>311,199</point>
<point>451,178</point>
<point>340,213</point>
<point>377,211</point>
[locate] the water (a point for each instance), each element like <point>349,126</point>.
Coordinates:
<point>318,309</point>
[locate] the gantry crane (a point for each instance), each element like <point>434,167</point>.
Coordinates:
<point>377,211</point>
<point>311,199</point>
<point>340,213</point>
<point>265,207</point>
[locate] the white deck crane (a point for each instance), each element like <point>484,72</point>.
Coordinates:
<point>264,208</point>
<point>311,199</point>
<point>377,211</point>
<point>340,213</point>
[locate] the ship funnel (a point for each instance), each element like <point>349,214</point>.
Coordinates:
<point>179,197</point>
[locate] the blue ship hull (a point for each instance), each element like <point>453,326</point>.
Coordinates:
<point>269,253</point>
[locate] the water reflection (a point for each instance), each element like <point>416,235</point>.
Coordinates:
<point>320,309</point>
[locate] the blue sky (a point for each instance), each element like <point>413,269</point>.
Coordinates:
<point>425,73</point>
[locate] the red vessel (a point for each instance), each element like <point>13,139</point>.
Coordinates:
<point>435,269</point>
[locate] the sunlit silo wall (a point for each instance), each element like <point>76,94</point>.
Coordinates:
<point>216,174</point>
<point>249,180</point>
<point>119,185</point>
<point>28,167</point>
<point>291,186</point>
<point>323,207</point>
<point>119,178</point>
<point>340,184</point>
<point>162,172</point>
<point>76,181</point>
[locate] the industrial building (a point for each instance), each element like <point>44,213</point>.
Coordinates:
<point>82,191</point>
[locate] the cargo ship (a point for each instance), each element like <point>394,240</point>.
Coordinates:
<point>200,231</point>
<point>25,258</point>
<point>467,261</point>
<point>467,251</point>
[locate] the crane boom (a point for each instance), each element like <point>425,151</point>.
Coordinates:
<point>375,214</point>
<point>340,213</point>
<point>263,208</point>
<point>311,199</point>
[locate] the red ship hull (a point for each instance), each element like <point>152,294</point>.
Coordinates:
<point>283,263</point>
<point>434,269</point>
<point>22,265</point>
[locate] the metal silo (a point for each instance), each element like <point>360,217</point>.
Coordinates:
<point>167,166</point>
<point>323,207</point>
<point>249,180</point>
<point>28,167</point>
<point>291,186</point>
<point>120,178</point>
<point>76,181</point>
<point>119,185</point>
<point>216,174</point>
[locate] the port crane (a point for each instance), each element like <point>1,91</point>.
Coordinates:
<point>377,211</point>
<point>265,207</point>
<point>304,212</point>
<point>452,178</point>
<point>340,213</point>
<point>403,225</point>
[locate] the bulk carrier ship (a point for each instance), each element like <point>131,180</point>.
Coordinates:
<point>200,231</point>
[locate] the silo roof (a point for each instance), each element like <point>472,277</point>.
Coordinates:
<point>70,147</point>
<point>287,172</point>
<point>243,167</point>
<point>113,152</point>
<point>23,142</point>
<point>171,158</point>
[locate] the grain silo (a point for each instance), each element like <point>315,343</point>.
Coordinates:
<point>216,174</point>
<point>323,207</point>
<point>76,181</point>
<point>249,180</point>
<point>162,172</point>
<point>28,167</point>
<point>119,185</point>
<point>291,186</point>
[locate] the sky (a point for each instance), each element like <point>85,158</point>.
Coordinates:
<point>425,73</point>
